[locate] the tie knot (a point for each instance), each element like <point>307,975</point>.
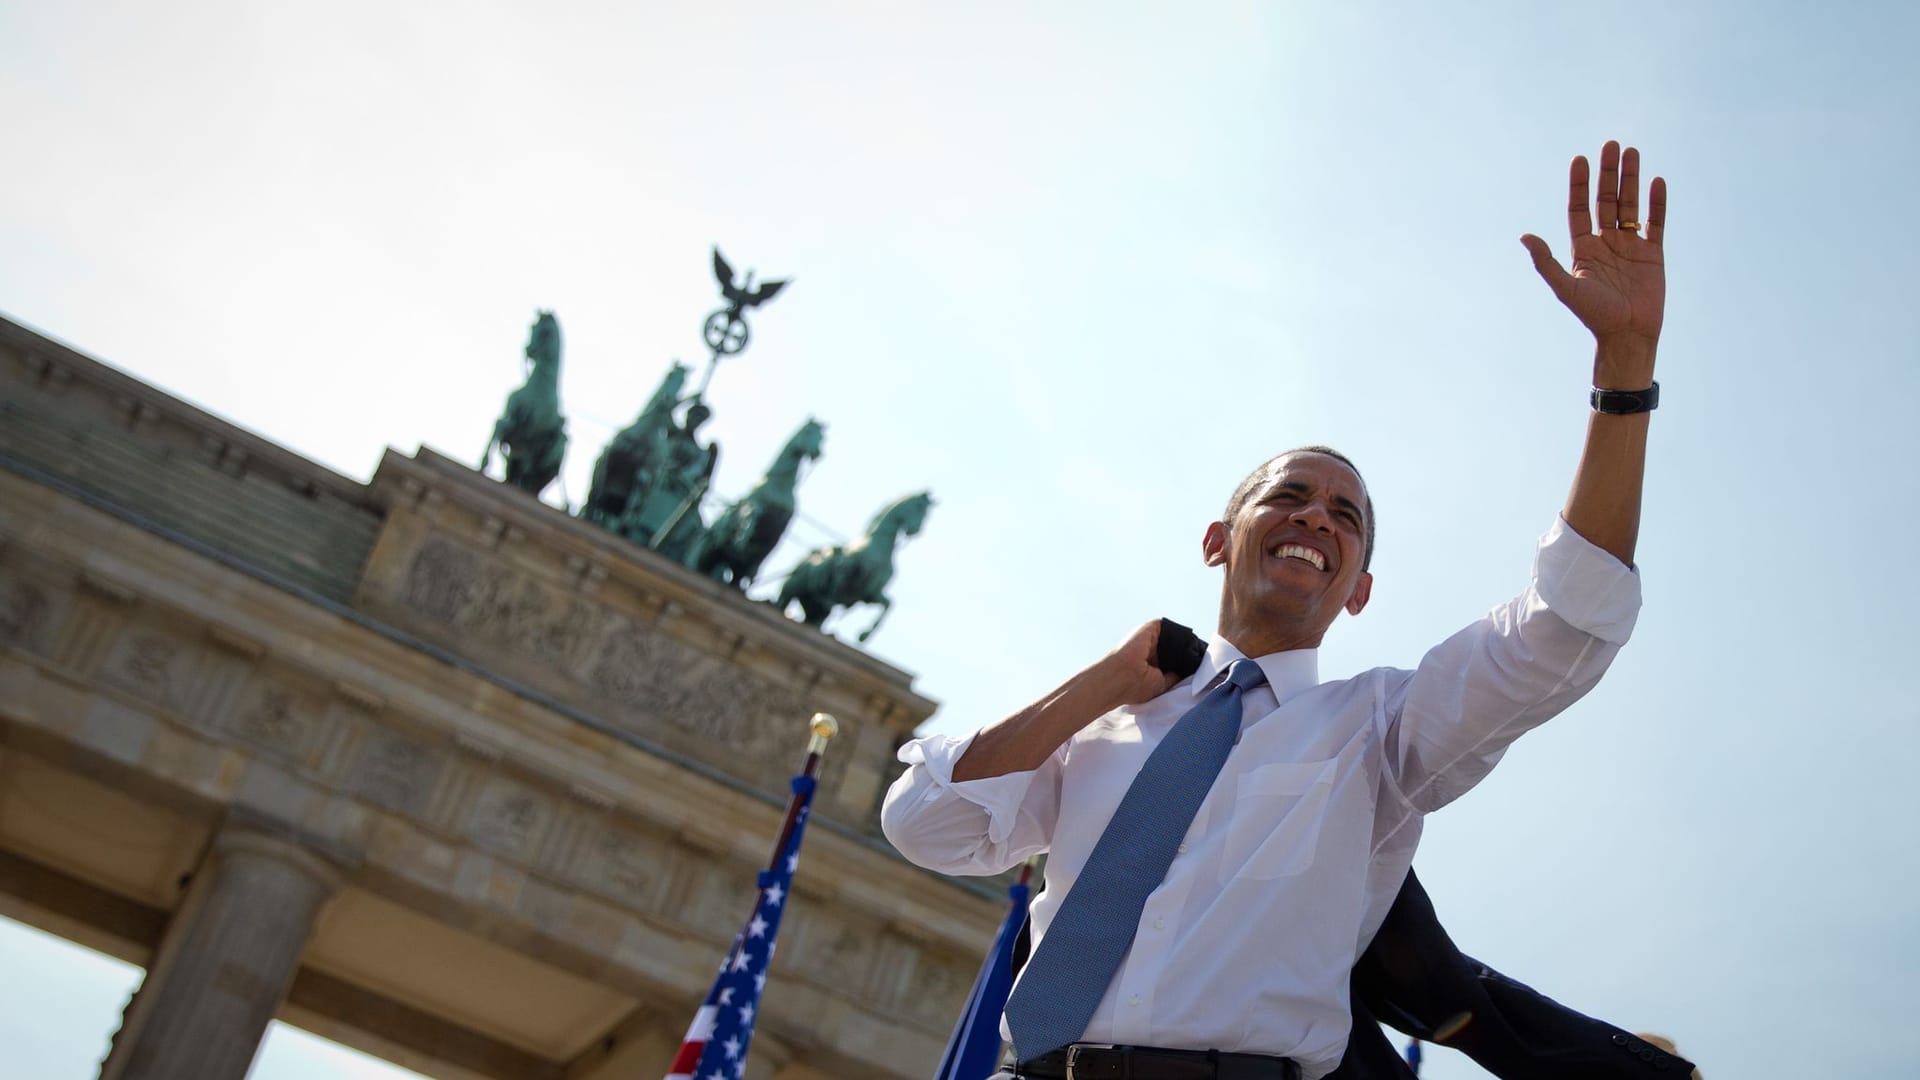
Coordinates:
<point>1245,674</point>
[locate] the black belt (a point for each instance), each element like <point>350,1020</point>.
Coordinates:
<point>1088,1061</point>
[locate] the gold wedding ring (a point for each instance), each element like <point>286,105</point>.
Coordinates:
<point>1632,226</point>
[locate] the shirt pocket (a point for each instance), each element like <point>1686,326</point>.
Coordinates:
<point>1277,813</point>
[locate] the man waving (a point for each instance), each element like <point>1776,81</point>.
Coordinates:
<point>1222,846</point>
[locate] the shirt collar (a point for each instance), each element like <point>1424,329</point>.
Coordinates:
<point>1288,673</point>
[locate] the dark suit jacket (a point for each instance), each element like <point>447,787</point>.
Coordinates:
<point>1413,978</point>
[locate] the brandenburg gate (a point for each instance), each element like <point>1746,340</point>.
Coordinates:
<point>423,765</point>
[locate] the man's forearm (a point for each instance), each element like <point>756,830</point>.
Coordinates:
<point>1026,739</point>
<point>1604,503</point>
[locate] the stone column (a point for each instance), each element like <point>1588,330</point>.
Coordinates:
<point>226,962</point>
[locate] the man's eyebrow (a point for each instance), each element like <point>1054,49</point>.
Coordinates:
<point>1300,487</point>
<point>1291,487</point>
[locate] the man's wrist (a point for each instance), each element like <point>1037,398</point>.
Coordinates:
<point>1623,363</point>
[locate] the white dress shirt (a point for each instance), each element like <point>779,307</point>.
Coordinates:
<point>1304,840</point>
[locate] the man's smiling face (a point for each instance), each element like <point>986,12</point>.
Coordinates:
<point>1294,554</point>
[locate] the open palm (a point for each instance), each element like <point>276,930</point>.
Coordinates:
<point>1618,286</point>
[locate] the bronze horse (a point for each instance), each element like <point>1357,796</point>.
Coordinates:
<point>531,433</point>
<point>744,534</point>
<point>858,572</point>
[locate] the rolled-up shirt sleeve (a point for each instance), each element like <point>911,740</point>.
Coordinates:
<point>1447,723</point>
<point>968,826</point>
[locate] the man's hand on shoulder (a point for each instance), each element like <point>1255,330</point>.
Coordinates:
<point>1131,669</point>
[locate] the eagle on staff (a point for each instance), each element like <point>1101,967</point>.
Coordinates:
<point>726,330</point>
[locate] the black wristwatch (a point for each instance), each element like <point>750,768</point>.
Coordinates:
<point>1626,402</point>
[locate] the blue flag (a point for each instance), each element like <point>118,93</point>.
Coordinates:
<point>716,1044</point>
<point>974,1051</point>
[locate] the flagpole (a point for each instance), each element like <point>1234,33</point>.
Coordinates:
<point>715,1047</point>
<point>823,728</point>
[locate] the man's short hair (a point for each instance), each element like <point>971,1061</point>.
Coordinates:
<point>1251,484</point>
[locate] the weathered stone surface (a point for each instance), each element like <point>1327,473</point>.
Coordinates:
<point>225,964</point>
<point>637,644</point>
<point>543,742</point>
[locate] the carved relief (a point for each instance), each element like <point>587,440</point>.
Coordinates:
<point>455,586</point>
<point>395,772</point>
<point>744,711</point>
<point>529,618</point>
<point>442,581</point>
<point>144,665</point>
<point>23,613</point>
<point>508,818</point>
<point>629,670</point>
<point>271,720</point>
<point>640,669</point>
<point>635,668</point>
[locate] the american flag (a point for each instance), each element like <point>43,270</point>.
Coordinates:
<point>716,1044</point>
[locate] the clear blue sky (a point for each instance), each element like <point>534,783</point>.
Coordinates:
<point>1076,268</point>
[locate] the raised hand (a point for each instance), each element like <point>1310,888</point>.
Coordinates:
<point>1618,287</point>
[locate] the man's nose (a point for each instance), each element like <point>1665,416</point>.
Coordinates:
<point>1313,515</point>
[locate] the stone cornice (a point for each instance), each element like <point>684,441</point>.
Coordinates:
<point>49,362</point>
<point>180,599</point>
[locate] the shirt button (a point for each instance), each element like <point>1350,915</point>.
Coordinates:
<point>1135,999</point>
<point>1159,922</point>
<point>1183,849</point>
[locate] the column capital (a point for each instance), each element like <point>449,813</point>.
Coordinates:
<point>245,840</point>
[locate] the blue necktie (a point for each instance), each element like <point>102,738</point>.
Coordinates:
<point>1094,928</point>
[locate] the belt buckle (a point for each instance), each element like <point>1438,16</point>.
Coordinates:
<point>1073,1051</point>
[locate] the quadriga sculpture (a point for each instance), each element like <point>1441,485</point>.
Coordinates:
<point>664,514</point>
<point>858,572</point>
<point>531,433</point>
<point>625,463</point>
<point>744,534</point>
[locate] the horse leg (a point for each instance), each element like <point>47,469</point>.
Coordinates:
<point>486,456</point>
<point>886,605</point>
<point>815,617</point>
<point>790,587</point>
<point>551,459</point>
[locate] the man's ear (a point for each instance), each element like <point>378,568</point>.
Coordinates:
<point>1213,546</point>
<point>1362,592</point>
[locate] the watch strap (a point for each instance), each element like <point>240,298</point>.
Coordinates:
<point>1626,402</point>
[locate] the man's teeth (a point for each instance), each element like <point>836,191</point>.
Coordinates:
<point>1306,554</point>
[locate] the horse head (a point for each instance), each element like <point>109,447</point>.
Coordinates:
<point>907,515</point>
<point>806,443</point>
<point>669,393</point>
<point>543,343</point>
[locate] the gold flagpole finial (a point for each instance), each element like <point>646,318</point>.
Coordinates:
<point>824,727</point>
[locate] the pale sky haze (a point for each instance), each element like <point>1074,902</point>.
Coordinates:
<point>1076,268</point>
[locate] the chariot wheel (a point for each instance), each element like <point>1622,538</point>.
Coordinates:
<point>725,333</point>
